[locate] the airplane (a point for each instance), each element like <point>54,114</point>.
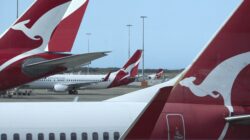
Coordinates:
<point>158,75</point>
<point>32,47</point>
<point>209,100</point>
<point>70,83</point>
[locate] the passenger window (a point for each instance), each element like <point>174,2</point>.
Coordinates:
<point>116,135</point>
<point>95,136</point>
<point>51,136</point>
<point>4,137</point>
<point>84,136</point>
<point>16,136</point>
<point>40,136</point>
<point>62,136</point>
<point>28,136</point>
<point>73,136</point>
<point>105,136</point>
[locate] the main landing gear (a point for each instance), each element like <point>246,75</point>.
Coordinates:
<point>73,92</point>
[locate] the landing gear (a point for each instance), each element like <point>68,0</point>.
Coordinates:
<point>73,92</point>
<point>27,92</point>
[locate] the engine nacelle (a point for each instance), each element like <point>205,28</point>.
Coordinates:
<point>60,88</point>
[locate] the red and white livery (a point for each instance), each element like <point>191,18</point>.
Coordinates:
<point>71,83</point>
<point>32,47</point>
<point>209,100</point>
<point>158,75</point>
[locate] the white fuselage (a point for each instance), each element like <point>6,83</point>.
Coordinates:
<point>88,81</point>
<point>67,118</point>
<point>115,115</point>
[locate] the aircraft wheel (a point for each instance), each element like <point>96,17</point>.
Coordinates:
<point>76,92</point>
<point>70,92</point>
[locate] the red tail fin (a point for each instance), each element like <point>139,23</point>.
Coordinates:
<point>35,27</point>
<point>220,75</point>
<point>64,36</point>
<point>129,71</point>
<point>133,63</point>
<point>159,73</point>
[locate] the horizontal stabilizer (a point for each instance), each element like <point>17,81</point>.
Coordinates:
<point>241,119</point>
<point>67,62</point>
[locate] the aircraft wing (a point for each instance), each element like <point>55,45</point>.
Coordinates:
<point>241,119</point>
<point>67,62</point>
<point>79,85</point>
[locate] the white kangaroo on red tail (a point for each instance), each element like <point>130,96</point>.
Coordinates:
<point>227,71</point>
<point>37,32</point>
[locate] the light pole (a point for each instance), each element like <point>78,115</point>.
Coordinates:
<point>17,9</point>
<point>143,20</point>
<point>88,34</point>
<point>129,26</point>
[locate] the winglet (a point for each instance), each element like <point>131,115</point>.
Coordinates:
<point>107,77</point>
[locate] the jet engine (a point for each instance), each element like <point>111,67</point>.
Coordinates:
<point>60,88</point>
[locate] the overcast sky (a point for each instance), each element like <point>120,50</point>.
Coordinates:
<point>175,30</point>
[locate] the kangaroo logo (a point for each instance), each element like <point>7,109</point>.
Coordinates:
<point>28,32</point>
<point>227,71</point>
<point>44,26</point>
<point>129,69</point>
<point>42,29</point>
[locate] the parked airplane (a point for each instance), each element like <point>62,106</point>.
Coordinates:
<point>158,75</point>
<point>70,83</point>
<point>209,100</point>
<point>30,47</point>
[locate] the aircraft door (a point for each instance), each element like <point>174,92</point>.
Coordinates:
<point>175,127</point>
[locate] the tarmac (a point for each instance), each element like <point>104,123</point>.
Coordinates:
<point>83,96</point>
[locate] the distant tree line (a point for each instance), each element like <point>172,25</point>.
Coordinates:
<point>92,70</point>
